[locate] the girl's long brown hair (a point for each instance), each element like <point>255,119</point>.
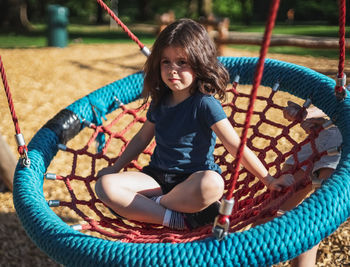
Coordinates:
<point>211,76</point>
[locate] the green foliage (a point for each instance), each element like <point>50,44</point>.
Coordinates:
<point>235,10</point>
<point>323,10</point>
<point>239,11</point>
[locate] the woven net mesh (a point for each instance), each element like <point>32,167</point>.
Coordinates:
<point>271,137</point>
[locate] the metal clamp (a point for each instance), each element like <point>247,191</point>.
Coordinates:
<point>341,82</point>
<point>236,79</point>
<point>220,230</point>
<point>118,101</point>
<point>307,103</point>
<point>145,51</point>
<point>53,203</point>
<point>275,86</point>
<point>50,176</point>
<point>77,227</point>
<point>25,161</point>
<point>327,124</point>
<point>62,147</point>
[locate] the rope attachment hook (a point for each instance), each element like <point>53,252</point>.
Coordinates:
<point>340,89</point>
<point>222,221</point>
<point>23,150</point>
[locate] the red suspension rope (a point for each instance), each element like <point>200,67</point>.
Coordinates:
<point>341,77</point>
<point>143,48</point>
<point>22,148</point>
<point>222,220</point>
<point>256,83</point>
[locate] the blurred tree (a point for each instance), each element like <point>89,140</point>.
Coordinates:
<point>13,14</point>
<point>99,14</point>
<point>199,8</point>
<point>205,8</point>
<point>239,11</point>
<point>246,7</point>
<point>260,9</point>
<point>145,11</point>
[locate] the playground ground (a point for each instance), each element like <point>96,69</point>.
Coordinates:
<point>44,81</point>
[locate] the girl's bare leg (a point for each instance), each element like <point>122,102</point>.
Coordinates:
<point>127,194</point>
<point>196,193</point>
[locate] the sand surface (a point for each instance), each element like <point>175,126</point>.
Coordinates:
<point>44,81</point>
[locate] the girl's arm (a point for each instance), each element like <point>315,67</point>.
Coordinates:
<point>137,144</point>
<point>230,139</point>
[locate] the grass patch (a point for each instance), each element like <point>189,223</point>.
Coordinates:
<point>86,34</point>
<point>93,34</point>
<point>286,50</point>
<point>308,30</point>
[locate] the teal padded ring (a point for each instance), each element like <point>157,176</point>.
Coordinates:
<point>278,240</point>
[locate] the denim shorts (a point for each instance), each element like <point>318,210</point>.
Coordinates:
<point>166,180</point>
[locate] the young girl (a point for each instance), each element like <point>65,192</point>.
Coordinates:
<point>181,185</point>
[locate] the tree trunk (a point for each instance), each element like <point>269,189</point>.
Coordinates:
<point>192,6</point>
<point>114,7</point>
<point>144,10</point>
<point>246,12</point>
<point>99,14</point>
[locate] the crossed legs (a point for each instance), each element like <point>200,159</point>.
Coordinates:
<point>128,194</point>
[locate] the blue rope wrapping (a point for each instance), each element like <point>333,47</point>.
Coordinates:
<point>278,240</point>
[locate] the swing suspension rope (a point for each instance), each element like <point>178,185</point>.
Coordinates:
<point>21,145</point>
<point>340,91</point>
<point>142,47</point>
<point>221,223</point>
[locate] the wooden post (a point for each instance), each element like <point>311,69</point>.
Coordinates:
<point>7,164</point>
<point>223,32</point>
<point>164,20</point>
<point>278,40</point>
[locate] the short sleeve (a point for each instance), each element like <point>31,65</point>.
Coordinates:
<point>150,114</point>
<point>211,110</point>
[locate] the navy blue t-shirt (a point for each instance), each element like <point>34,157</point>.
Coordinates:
<point>185,141</point>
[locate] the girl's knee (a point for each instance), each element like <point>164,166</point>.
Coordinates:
<point>212,186</point>
<point>99,189</point>
<point>103,187</point>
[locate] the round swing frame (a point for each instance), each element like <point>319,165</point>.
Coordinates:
<point>278,240</point>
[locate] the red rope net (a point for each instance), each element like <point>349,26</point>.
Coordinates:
<point>271,137</point>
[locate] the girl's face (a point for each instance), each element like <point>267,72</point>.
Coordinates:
<point>176,71</point>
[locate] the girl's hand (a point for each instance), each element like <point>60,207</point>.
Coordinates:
<point>106,170</point>
<point>285,180</point>
<point>292,112</point>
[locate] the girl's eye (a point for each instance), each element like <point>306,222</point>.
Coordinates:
<point>164,62</point>
<point>182,63</point>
